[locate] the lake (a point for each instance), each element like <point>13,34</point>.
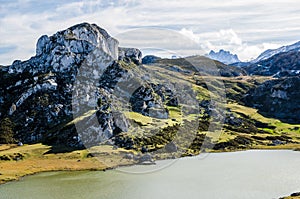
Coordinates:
<point>254,174</point>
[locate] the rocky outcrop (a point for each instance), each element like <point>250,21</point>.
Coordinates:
<point>133,54</point>
<point>277,98</point>
<point>44,96</point>
<point>151,100</point>
<point>150,59</point>
<point>81,89</point>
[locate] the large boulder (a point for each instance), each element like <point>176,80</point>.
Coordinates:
<point>133,54</point>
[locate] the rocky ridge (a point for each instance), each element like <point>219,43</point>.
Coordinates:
<point>279,65</point>
<point>271,52</point>
<point>223,56</point>
<point>36,95</point>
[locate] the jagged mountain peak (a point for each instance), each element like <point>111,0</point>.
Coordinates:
<point>79,38</point>
<point>224,56</point>
<point>37,94</point>
<point>67,48</point>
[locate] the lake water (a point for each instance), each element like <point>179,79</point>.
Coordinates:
<point>252,174</point>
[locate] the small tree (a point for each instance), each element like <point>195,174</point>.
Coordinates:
<point>6,131</point>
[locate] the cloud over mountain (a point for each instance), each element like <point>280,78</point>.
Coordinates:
<point>247,27</point>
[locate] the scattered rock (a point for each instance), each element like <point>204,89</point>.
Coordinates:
<point>295,194</point>
<point>144,149</point>
<point>171,147</point>
<point>129,156</point>
<point>5,158</point>
<point>146,158</point>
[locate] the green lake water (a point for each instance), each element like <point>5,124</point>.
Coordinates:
<point>255,174</point>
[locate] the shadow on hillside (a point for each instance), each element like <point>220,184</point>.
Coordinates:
<point>61,149</point>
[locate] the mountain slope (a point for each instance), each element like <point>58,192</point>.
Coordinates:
<point>199,64</point>
<point>269,53</point>
<point>277,98</point>
<point>285,63</point>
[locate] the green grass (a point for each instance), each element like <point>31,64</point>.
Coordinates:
<point>253,114</point>
<point>80,118</point>
<point>202,93</point>
<point>139,118</point>
<point>271,131</point>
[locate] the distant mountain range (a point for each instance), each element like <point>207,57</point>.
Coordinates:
<point>223,56</point>
<point>284,61</point>
<point>228,58</point>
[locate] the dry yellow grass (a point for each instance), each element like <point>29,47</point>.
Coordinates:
<point>36,160</point>
<point>291,197</point>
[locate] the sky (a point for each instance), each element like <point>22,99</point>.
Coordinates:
<point>245,28</point>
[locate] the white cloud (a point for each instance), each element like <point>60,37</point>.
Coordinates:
<point>190,34</point>
<point>228,39</point>
<point>243,27</point>
<point>230,36</point>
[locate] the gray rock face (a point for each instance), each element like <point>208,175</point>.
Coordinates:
<point>120,122</point>
<point>41,95</point>
<point>277,98</point>
<point>80,39</point>
<point>132,53</point>
<point>64,94</point>
<point>42,45</point>
<point>151,100</point>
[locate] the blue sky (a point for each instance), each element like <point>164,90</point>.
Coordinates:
<point>244,27</point>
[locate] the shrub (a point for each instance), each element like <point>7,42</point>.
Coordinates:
<point>6,131</point>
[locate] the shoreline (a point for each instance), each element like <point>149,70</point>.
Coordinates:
<point>293,195</point>
<point>94,163</point>
<point>33,159</point>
